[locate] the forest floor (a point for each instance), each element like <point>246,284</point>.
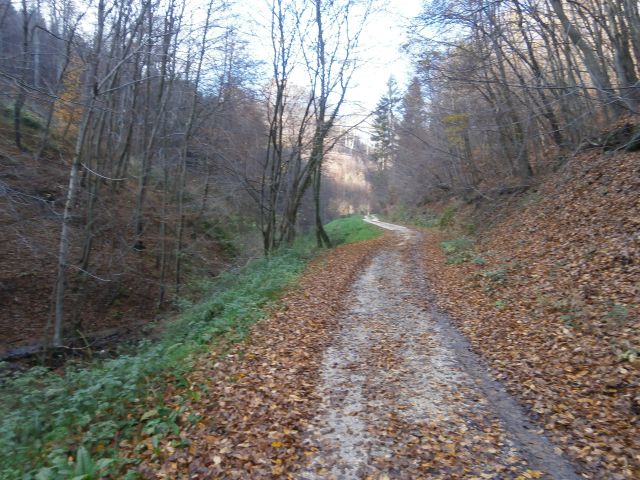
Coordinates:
<point>532,372</point>
<point>358,376</point>
<point>548,293</point>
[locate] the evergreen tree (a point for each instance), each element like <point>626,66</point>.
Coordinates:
<point>412,126</point>
<point>385,126</point>
<point>414,118</point>
<point>411,171</point>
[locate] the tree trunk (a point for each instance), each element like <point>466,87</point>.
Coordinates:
<point>596,71</point>
<point>322,238</point>
<point>65,234</point>
<point>21,94</point>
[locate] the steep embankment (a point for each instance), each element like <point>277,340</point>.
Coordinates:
<point>550,296</point>
<point>119,292</point>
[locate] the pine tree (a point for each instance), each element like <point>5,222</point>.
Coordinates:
<point>411,173</point>
<point>414,118</point>
<point>385,126</point>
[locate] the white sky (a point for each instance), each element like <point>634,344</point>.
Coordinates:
<point>382,41</point>
<point>380,44</point>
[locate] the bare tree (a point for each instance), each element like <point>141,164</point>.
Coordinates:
<point>328,34</point>
<point>507,79</point>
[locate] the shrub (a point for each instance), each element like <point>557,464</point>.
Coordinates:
<point>221,236</point>
<point>470,229</point>
<point>427,222</point>
<point>500,304</point>
<point>491,279</point>
<point>32,120</point>
<point>28,118</point>
<point>479,260</point>
<point>446,219</point>
<point>498,275</point>
<point>457,250</point>
<point>618,314</point>
<point>630,353</point>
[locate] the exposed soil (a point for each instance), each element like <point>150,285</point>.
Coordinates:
<point>403,397</point>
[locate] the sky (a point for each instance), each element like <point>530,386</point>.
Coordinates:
<point>381,55</point>
<point>382,44</point>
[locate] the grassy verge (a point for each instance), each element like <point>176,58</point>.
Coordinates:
<point>70,424</point>
<point>351,229</point>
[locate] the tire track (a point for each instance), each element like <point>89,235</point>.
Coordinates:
<point>404,397</point>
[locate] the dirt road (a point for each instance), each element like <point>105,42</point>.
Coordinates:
<point>355,377</point>
<point>403,396</point>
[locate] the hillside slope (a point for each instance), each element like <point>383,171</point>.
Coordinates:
<point>118,292</point>
<point>550,295</point>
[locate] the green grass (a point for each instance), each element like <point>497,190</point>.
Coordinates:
<point>63,425</point>
<point>351,229</point>
<point>46,417</point>
<point>446,219</point>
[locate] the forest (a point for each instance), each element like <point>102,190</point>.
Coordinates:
<point>169,169</point>
<point>151,142</point>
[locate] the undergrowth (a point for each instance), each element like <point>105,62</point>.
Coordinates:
<point>27,117</point>
<point>457,250</point>
<point>446,219</point>
<point>59,425</point>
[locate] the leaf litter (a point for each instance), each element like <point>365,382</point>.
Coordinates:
<point>398,403</point>
<point>253,400</point>
<point>561,327</point>
<point>346,380</point>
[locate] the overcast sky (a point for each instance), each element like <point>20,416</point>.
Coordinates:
<point>381,44</point>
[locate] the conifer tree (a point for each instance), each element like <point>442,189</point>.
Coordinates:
<point>385,126</point>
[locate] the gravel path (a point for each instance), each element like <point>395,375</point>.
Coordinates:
<point>404,397</point>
